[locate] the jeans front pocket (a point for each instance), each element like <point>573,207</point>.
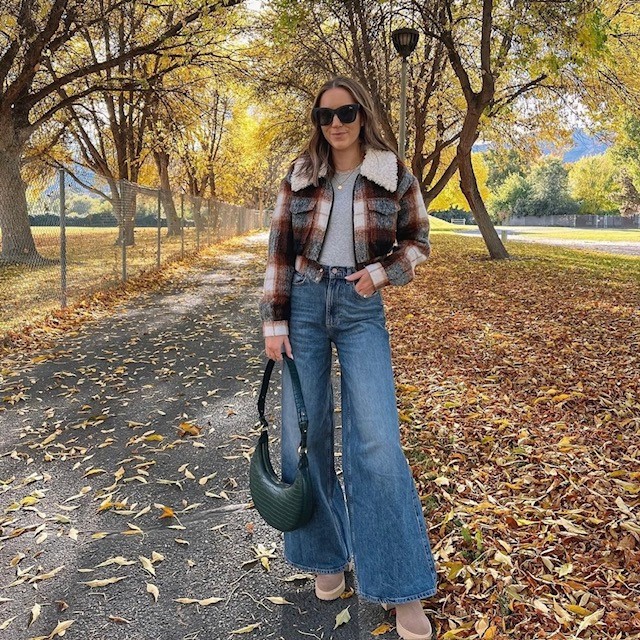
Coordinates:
<point>298,278</point>
<point>373,296</point>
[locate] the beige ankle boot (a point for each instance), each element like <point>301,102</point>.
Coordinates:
<point>411,621</point>
<point>330,586</point>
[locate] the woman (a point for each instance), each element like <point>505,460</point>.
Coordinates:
<point>349,220</point>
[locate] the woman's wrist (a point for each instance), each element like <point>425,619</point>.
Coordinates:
<point>271,328</point>
<point>378,275</point>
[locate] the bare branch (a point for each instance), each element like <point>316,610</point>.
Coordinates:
<point>499,104</point>
<point>109,63</point>
<point>444,178</point>
<point>34,54</point>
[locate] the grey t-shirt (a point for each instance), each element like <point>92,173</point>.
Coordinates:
<point>337,249</point>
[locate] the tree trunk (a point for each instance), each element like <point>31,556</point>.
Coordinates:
<point>469,187</point>
<point>173,222</point>
<point>124,208</point>
<point>17,240</point>
<point>197,189</point>
<point>196,209</point>
<point>166,197</point>
<point>129,229</point>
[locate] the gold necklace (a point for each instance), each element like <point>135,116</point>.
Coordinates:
<point>339,185</point>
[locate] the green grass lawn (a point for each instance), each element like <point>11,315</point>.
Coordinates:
<point>562,233</point>
<point>442,226</point>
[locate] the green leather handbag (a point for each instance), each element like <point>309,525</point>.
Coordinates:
<point>283,506</point>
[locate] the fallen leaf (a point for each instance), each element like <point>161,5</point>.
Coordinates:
<point>565,569</point>
<point>6,623</point>
<point>93,472</point>
<point>589,620</point>
<point>248,629</point>
<point>278,600</point>
<point>61,629</point>
<point>186,428</point>
<point>342,618</point>
<point>35,614</point>
<point>119,560</point>
<point>503,559</point>
<point>578,610</point>
<point>104,582</point>
<point>299,576</point>
<point>541,607</point>
<point>481,626</point>
<point>381,629</point>
<point>146,565</point>
<point>202,602</point>
<point>167,512</point>
<point>153,590</point>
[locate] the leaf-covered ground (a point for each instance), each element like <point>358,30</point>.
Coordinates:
<point>520,394</point>
<point>124,453</point>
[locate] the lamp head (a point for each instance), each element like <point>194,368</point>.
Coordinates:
<point>405,40</point>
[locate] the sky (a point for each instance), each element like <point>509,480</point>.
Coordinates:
<point>254,5</point>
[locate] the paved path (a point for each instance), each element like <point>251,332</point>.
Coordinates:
<point>90,452</point>
<point>623,248</point>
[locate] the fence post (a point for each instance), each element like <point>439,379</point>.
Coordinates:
<point>159,231</point>
<point>198,222</point>
<point>123,230</point>
<point>182,225</point>
<point>63,242</point>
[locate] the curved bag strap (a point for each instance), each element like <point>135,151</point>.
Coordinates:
<point>303,421</point>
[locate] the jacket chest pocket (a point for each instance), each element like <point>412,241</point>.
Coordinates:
<point>383,213</point>
<point>299,206</point>
<point>302,210</point>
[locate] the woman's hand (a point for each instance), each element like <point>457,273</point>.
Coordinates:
<point>364,284</point>
<point>273,347</point>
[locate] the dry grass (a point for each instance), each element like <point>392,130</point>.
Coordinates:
<point>94,262</point>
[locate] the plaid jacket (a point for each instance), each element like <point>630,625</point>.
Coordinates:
<point>390,224</point>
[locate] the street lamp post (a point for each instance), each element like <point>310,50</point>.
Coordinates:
<point>405,41</point>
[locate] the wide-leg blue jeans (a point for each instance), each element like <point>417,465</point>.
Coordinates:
<point>380,525</point>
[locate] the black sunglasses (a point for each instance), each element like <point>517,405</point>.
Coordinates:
<point>346,114</point>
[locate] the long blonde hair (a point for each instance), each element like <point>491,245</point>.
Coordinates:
<point>318,151</point>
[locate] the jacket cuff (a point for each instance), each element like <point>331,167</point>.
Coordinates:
<point>378,275</point>
<point>273,328</point>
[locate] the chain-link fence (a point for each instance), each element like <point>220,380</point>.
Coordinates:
<point>30,259</point>
<point>581,221</point>
<point>82,242</point>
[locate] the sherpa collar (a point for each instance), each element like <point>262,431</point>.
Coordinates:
<point>378,166</point>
